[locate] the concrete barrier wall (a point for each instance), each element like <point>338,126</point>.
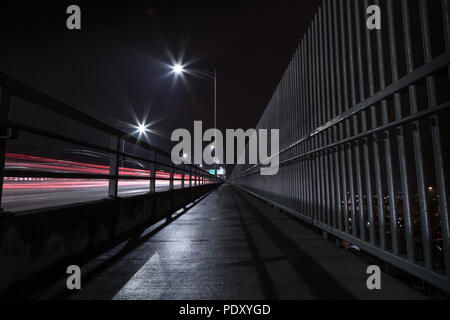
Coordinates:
<point>33,241</point>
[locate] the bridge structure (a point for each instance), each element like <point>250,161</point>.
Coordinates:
<point>362,180</point>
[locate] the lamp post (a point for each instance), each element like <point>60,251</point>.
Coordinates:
<point>178,69</point>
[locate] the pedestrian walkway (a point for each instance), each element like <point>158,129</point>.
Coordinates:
<point>232,246</point>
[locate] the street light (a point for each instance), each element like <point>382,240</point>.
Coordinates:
<point>178,69</point>
<point>142,128</point>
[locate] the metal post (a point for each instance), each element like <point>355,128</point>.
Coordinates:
<point>310,125</point>
<point>317,156</point>
<point>4,116</point>
<point>354,150</point>
<point>365,142</point>
<point>342,172</point>
<point>400,136</point>
<point>297,110</point>
<point>387,147</point>
<point>182,176</point>
<point>323,118</point>
<point>303,128</point>
<point>171,178</point>
<point>153,174</point>
<point>348,147</point>
<point>337,194</point>
<point>114,167</point>
<point>375,145</point>
<point>417,142</point>
<point>328,110</point>
<point>190,178</point>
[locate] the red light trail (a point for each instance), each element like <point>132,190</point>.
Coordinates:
<point>44,164</point>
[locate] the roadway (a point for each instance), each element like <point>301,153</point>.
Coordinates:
<point>35,195</point>
<point>22,193</point>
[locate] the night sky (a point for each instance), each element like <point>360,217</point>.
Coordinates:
<point>116,65</point>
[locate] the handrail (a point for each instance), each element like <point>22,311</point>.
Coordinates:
<point>30,94</point>
<point>12,87</point>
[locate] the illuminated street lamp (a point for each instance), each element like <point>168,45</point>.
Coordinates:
<point>178,69</point>
<point>142,128</point>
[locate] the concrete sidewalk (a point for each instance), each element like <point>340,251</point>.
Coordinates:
<point>232,246</point>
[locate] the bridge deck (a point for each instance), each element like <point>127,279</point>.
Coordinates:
<point>232,246</point>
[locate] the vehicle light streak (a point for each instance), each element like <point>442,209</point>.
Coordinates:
<point>35,163</point>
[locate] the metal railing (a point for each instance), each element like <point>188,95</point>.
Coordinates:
<point>361,131</point>
<point>189,175</point>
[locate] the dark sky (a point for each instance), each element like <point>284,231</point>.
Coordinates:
<point>115,64</point>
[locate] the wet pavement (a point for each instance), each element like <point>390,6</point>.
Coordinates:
<point>232,246</point>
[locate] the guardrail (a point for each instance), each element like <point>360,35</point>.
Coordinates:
<point>10,129</point>
<point>362,158</point>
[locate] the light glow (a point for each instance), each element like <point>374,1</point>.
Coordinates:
<point>178,69</point>
<point>45,164</point>
<point>142,128</point>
